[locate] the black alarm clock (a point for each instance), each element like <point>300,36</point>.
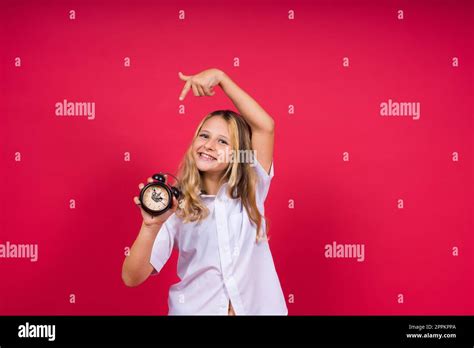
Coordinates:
<point>157,197</point>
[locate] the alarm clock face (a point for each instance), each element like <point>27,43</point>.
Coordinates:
<point>156,198</point>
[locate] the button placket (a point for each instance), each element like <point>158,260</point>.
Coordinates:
<point>225,254</point>
<point>223,303</point>
<point>223,238</point>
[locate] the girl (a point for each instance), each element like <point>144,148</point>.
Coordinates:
<point>225,264</point>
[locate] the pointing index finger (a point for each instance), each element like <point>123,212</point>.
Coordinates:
<point>185,90</point>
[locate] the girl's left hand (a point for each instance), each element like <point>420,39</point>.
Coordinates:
<point>202,83</point>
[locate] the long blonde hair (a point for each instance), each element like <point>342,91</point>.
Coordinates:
<point>241,177</point>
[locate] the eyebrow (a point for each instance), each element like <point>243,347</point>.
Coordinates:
<point>223,136</point>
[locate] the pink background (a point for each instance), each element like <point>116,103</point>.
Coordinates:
<point>299,62</point>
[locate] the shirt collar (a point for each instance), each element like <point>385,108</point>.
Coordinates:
<point>221,194</point>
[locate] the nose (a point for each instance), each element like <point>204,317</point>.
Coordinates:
<point>210,144</point>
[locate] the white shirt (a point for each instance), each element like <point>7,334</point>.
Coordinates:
<point>220,260</point>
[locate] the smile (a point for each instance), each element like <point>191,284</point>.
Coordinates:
<point>206,157</point>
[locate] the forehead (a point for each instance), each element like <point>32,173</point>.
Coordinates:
<point>217,125</point>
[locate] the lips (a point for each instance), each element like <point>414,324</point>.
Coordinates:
<point>206,157</point>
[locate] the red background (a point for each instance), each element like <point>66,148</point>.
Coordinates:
<point>299,62</point>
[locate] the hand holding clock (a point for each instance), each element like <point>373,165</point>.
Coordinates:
<point>154,221</point>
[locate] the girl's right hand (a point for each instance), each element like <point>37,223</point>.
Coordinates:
<point>155,221</point>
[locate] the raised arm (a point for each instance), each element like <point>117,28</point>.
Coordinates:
<point>260,121</point>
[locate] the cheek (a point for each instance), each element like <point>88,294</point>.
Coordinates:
<point>195,150</point>
<point>197,143</point>
<point>225,153</point>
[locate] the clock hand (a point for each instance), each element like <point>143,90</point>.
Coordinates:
<point>156,196</point>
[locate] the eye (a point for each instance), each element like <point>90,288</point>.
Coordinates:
<point>202,135</point>
<point>223,141</point>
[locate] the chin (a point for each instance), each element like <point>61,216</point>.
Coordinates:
<point>203,166</point>
<point>207,167</point>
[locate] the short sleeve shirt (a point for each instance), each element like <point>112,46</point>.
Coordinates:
<point>220,260</point>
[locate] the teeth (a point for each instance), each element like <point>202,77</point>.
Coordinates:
<point>206,156</point>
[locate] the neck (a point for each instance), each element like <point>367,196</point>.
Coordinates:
<point>210,182</point>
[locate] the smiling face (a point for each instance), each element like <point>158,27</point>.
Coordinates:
<point>212,146</point>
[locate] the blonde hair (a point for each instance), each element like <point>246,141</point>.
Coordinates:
<point>241,177</point>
